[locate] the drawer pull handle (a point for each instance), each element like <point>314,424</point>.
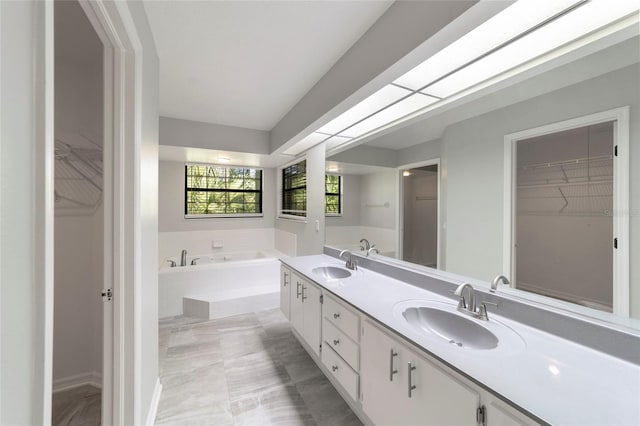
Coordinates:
<point>392,371</point>
<point>410,386</point>
<point>334,368</point>
<point>303,296</point>
<point>285,283</point>
<point>298,293</point>
<point>335,342</point>
<point>336,316</point>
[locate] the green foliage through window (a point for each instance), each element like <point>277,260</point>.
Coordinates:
<point>294,189</point>
<point>225,191</point>
<point>333,194</point>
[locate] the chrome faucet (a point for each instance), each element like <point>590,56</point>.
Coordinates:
<point>496,281</point>
<point>469,307</point>
<point>372,249</point>
<point>351,264</point>
<point>366,246</point>
<point>464,305</point>
<point>183,258</point>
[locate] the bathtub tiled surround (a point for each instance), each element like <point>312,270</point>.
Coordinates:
<point>243,370</point>
<point>544,379</point>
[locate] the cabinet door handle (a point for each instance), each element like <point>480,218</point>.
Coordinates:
<point>335,342</point>
<point>392,371</point>
<point>298,293</point>
<point>285,279</point>
<point>303,296</point>
<point>334,368</point>
<point>336,316</point>
<point>410,386</point>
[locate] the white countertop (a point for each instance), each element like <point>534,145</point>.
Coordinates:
<point>556,380</point>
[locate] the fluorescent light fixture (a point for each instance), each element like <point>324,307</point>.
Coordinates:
<point>499,29</point>
<point>584,20</point>
<point>406,173</point>
<point>370,105</point>
<point>336,140</point>
<point>306,143</point>
<point>333,169</point>
<point>392,113</point>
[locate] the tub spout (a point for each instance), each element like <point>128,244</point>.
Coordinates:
<point>183,258</point>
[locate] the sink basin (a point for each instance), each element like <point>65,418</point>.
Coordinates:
<point>331,272</point>
<point>451,326</point>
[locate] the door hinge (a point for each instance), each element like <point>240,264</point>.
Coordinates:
<point>481,415</point>
<point>107,294</point>
<point>321,299</point>
<point>615,243</point>
<point>615,150</point>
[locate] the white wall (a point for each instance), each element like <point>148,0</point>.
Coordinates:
<point>171,204</point>
<point>26,201</point>
<point>147,301</point>
<point>309,236</point>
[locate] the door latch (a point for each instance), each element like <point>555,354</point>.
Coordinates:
<point>107,294</point>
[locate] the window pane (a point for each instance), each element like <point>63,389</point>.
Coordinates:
<point>294,189</point>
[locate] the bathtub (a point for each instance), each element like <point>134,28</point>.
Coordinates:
<point>220,284</point>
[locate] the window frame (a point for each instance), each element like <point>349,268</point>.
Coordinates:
<point>281,213</point>
<point>223,215</point>
<point>340,195</point>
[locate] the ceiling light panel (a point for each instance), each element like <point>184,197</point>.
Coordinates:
<point>394,112</point>
<point>383,97</point>
<point>306,143</point>
<point>506,25</point>
<point>585,19</point>
<point>336,140</point>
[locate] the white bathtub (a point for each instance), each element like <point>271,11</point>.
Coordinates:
<point>220,285</point>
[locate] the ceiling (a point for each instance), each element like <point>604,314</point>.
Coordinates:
<point>247,63</point>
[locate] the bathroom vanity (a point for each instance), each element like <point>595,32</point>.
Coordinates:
<point>403,355</point>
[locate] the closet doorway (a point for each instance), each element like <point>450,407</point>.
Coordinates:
<point>567,211</point>
<point>419,215</point>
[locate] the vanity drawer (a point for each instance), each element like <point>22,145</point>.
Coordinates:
<point>342,317</point>
<point>341,371</point>
<point>339,342</point>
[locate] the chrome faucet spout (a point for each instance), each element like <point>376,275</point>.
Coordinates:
<point>183,258</point>
<point>468,304</point>
<point>496,281</point>
<point>366,243</point>
<point>350,264</point>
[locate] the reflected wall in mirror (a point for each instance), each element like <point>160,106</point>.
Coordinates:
<point>468,136</point>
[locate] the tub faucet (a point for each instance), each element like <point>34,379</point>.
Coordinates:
<point>366,246</point>
<point>372,249</point>
<point>183,258</point>
<point>496,281</point>
<point>467,306</point>
<point>351,264</point>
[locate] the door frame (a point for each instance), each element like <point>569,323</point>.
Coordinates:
<point>620,117</point>
<point>115,27</point>
<point>400,218</point>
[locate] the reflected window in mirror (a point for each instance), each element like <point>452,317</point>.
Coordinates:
<point>294,190</point>
<point>333,195</point>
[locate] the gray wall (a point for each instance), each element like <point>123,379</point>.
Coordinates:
<point>310,241</point>
<point>351,208</point>
<point>171,204</point>
<point>195,134</point>
<point>420,213</point>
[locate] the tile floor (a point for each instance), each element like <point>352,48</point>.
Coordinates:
<point>243,370</point>
<point>78,406</point>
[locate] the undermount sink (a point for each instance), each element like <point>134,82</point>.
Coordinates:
<point>458,330</point>
<point>331,272</point>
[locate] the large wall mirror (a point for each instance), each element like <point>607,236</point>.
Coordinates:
<point>521,179</point>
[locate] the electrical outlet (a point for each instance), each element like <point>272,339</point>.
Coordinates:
<point>217,244</point>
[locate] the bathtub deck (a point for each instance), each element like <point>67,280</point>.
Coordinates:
<point>230,304</point>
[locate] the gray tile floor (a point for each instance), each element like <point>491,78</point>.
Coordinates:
<point>243,370</point>
<point>77,406</point>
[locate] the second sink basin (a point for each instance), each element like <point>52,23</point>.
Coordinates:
<point>331,272</point>
<point>450,326</point>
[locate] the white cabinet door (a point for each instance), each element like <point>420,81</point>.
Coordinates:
<point>382,378</point>
<point>285,293</point>
<point>435,397</point>
<point>312,315</point>
<point>406,388</point>
<point>498,413</point>
<point>296,303</point>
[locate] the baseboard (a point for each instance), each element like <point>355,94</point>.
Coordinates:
<point>155,401</point>
<point>93,378</point>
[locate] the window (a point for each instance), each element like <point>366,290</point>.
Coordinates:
<point>333,195</point>
<point>294,189</point>
<point>217,191</point>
